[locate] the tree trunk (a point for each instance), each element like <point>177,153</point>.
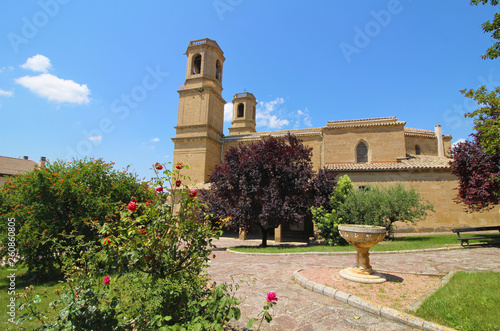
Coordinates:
<point>264,236</point>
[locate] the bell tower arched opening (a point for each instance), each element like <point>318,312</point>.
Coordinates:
<point>196,68</point>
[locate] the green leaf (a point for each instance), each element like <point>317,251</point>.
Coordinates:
<point>250,323</point>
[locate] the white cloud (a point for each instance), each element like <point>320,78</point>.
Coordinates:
<point>95,138</point>
<point>4,93</point>
<point>302,117</point>
<point>228,112</point>
<point>56,89</point>
<point>155,140</point>
<point>459,141</point>
<point>265,114</point>
<point>38,63</point>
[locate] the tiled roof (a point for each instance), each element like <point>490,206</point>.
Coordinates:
<point>365,122</point>
<point>282,133</point>
<point>13,166</point>
<point>412,163</point>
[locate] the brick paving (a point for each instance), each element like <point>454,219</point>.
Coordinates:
<point>301,309</point>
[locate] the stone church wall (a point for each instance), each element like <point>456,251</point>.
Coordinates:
<point>437,186</point>
<point>340,144</point>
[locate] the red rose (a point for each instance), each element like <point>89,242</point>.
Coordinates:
<point>158,166</point>
<point>107,241</point>
<point>132,206</point>
<point>148,203</point>
<point>178,183</point>
<point>159,189</point>
<point>271,297</point>
<point>178,165</point>
<point>193,193</point>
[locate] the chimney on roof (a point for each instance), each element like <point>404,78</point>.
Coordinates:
<point>25,158</point>
<point>43,160</point>
<point>439,135</point>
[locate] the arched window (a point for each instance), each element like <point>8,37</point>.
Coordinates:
<point>361,153</point>
<point>417,150</point>
<point>241,110</point>
<point>196,64</point>
<point>218,70</point>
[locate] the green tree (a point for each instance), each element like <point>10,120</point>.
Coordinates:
<point>326,219</point>
<point>383,206</point>
<point>55,208</point>
<point>492,27</point>
<point>486,117</point>
<point>479,189</point>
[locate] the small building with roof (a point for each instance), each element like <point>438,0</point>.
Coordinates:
<point>10,167</point>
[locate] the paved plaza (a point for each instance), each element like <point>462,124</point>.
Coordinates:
<point>301,309</point>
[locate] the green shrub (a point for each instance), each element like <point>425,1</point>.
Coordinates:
<point>383,206</point>
<point>56,208</point>
<point>327,221</point>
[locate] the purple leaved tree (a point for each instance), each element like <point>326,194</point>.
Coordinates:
<point>267,183</point>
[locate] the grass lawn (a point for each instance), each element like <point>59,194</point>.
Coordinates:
<point>399,244</point>
<point>470,301</point>
<point>23,280</point>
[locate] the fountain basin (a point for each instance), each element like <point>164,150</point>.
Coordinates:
<point>362,237</point>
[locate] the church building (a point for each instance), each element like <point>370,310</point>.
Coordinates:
<point>374,151</point>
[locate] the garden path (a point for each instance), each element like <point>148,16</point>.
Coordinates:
<point>301,309</point>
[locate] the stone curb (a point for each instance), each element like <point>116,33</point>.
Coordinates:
<point>370,307</point>
<point>417,303</point>
<point>347,253</point>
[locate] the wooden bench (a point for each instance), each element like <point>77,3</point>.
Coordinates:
<point>478,229</point>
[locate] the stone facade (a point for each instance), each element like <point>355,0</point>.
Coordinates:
<point>376,151</point>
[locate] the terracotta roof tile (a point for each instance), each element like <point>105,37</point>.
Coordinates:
<point>412,163</point>
<point>13,166</point>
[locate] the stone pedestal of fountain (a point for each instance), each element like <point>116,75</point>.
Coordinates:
<point>362,237</point>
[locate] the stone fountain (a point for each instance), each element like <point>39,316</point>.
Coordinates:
<point>362,237</point>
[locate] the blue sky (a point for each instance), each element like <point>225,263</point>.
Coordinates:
<point>100,78</point>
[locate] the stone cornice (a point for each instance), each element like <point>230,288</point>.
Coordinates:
<point>199,126</point>
<point>364,123</point>
<point>201,90</point>
<point>205,42</point>
<point>196,139</point>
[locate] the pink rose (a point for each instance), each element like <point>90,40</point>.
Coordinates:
<point>271,297</point>
<point>158,166</point>
<point>193,193</point>
<point>106,280</point>
<point>159,189</point>
<point>178,183</point>
<point>132,206</point>
<point>178,165</point>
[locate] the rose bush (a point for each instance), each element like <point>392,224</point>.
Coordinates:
<point>150,272</point>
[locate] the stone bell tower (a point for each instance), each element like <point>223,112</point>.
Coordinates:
<point>243,114</point>
<point>201,111</point>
